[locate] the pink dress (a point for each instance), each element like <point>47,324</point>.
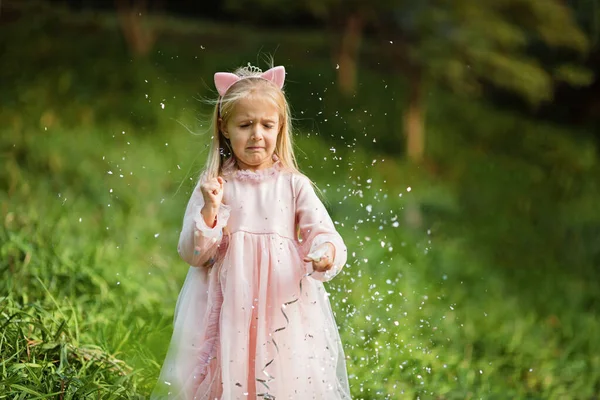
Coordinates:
<point>250,321</point>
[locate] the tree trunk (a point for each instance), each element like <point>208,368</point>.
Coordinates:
<point>348,54</point>
<point>413,120</point>
<point>415,139</point>
<point>140,39</point>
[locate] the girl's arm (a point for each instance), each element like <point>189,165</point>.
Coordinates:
<point>316,228</point>
<point>198,242</point>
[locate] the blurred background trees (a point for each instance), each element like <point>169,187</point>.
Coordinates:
<point>140,37</point>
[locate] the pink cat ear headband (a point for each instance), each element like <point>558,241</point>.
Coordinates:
<point>224,80</point>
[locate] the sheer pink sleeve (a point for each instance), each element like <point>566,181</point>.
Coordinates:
<point>316,227</point>
<point>198,243</point>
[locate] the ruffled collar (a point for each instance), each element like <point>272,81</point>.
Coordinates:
<point>230,169</point>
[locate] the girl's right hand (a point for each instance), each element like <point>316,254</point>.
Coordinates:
<point>212,192</point>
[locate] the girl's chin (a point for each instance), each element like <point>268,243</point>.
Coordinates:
<point>256,163</point>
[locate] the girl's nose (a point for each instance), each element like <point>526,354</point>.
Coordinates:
<point>256,134</point>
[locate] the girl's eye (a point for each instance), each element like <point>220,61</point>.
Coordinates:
<point>244,125</point>
<point>268,126</point>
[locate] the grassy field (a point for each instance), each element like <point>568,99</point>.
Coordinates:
<point>97,167</point>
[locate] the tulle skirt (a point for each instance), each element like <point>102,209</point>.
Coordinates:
<point>254,326</point>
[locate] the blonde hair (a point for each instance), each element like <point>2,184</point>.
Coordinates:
<point>220,152</point>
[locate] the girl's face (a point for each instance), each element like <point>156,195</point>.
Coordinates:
<point>252,130</point>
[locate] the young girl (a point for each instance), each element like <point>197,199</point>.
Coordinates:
<point>253,319</point>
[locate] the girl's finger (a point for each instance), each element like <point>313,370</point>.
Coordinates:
<point>212,182</point>
<point>321,265</point>
<point>322,268</point>
<point>211,187</point>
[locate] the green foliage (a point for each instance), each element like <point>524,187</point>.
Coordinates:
<point>43,359</point>
<point>466,42</point>
<point>67,312</point>
<point>573,74</point>
<point>588,15</point>
<point>498,300</point>
<point>419,317</point>
<point>539,185</point>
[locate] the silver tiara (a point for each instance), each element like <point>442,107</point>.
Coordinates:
<point>251,69</point>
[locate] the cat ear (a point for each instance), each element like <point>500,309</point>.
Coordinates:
<point>224,80</point>
<point>275,75</point>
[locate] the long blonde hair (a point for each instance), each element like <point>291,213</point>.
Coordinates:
<point>220,152</point>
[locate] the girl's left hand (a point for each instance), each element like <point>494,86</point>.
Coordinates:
<point>322,258</point>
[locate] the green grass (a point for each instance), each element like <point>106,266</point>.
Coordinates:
<point>88,304</point>
<point>95,177</point>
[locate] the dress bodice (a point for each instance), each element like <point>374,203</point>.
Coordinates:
<point>261,206</point>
